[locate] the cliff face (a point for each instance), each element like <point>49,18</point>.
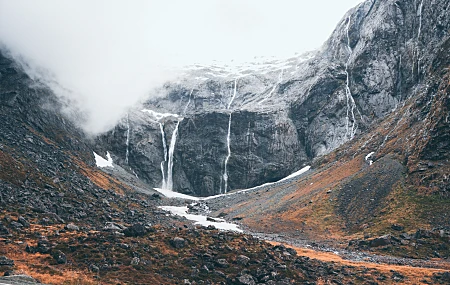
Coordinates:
<point>285,114</point>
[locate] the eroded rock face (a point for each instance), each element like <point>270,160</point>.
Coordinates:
<point>285,114</point>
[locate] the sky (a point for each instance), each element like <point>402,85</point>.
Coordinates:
<point>107,55</point>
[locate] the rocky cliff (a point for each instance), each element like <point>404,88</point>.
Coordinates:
<point>255,125</point>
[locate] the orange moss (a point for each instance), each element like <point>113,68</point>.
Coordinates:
<point>414,275</point>
<point>100,178</point>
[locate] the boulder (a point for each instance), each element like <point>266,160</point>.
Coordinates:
<point>178,242</point>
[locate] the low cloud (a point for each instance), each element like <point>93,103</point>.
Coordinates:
<point>107,55</point>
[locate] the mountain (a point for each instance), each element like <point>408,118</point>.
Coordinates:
<point>283,114</point>
<point>368,112</point>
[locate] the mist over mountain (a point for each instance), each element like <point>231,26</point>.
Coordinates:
<point>106,56</point>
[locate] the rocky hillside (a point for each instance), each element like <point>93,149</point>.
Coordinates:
<point>65,221</point>
<point>245,127</point>
<point>387,191</point>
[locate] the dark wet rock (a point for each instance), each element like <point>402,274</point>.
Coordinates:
<point>4,261</point>
<point>397,227</point>
<point>380,241</point>
<point>135,230</point>
<point>43,246</point>
<point>16,225</point>
<point>246,279</point>
<point>23,221</point>
<point>59,257</point>
<point>442,277</point>
<point>242,260</point>
<point>223,263</point>
<point>94,268</point>
<point>3,230</point>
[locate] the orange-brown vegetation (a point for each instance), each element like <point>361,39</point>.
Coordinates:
<point>100,178</point>
<point>415,275</point>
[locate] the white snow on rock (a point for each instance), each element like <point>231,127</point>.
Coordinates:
<point>301,171</point>
<point>367,158</point>
<point>220,224</point>
<point>101,162</point>
<point>173,194</point>
<point>161,117</point>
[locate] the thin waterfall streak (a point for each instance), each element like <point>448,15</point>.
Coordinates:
<point>164,184</point>
<point>163,140</point>
<point>127,153</point>
<point>189,102</point>
<point>234,94</point>
<point>225,173</point>
<point>351,104</point>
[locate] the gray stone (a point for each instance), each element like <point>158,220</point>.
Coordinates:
<point>4,261</point>
<point>178,242</point>
<point>246,279</point>
<point>72,227</point>
<point>242,260</point>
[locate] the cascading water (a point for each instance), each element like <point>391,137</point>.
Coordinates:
<point>169,182</point>
<point>351,105</point>
<point>419,13</point>
<point>189,102</point>
<point>225,169</point>
<point>128,138</point>
<point>163,163</point>
<point>225,172</point>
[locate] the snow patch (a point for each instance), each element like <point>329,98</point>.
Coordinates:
<point>367,158</point>
<point>172,194</point>
<point>301,171</point>
<point>220,224</point>
<point>101,162</point>
<point>162,117</point>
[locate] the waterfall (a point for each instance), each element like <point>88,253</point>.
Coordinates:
<point>128,138</point>
<point>169,183</point>
<point>234,95</point>
<point>351,105</point>
<point>163,140</point>
<point>225,169</point>
<point>163,136</point>
<point>189,102</point>
<point>419,13</point>
<point>225,172</point>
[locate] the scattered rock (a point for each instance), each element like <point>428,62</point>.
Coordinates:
<point>43,246</point>
<point>397,227</point>
<point>135,261</point>
<point>94,268</point>
<point>4,261</point>
<point>222,263</point>
<point>246,279</point>
<point>135,230</point>
<point>23,221</point>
